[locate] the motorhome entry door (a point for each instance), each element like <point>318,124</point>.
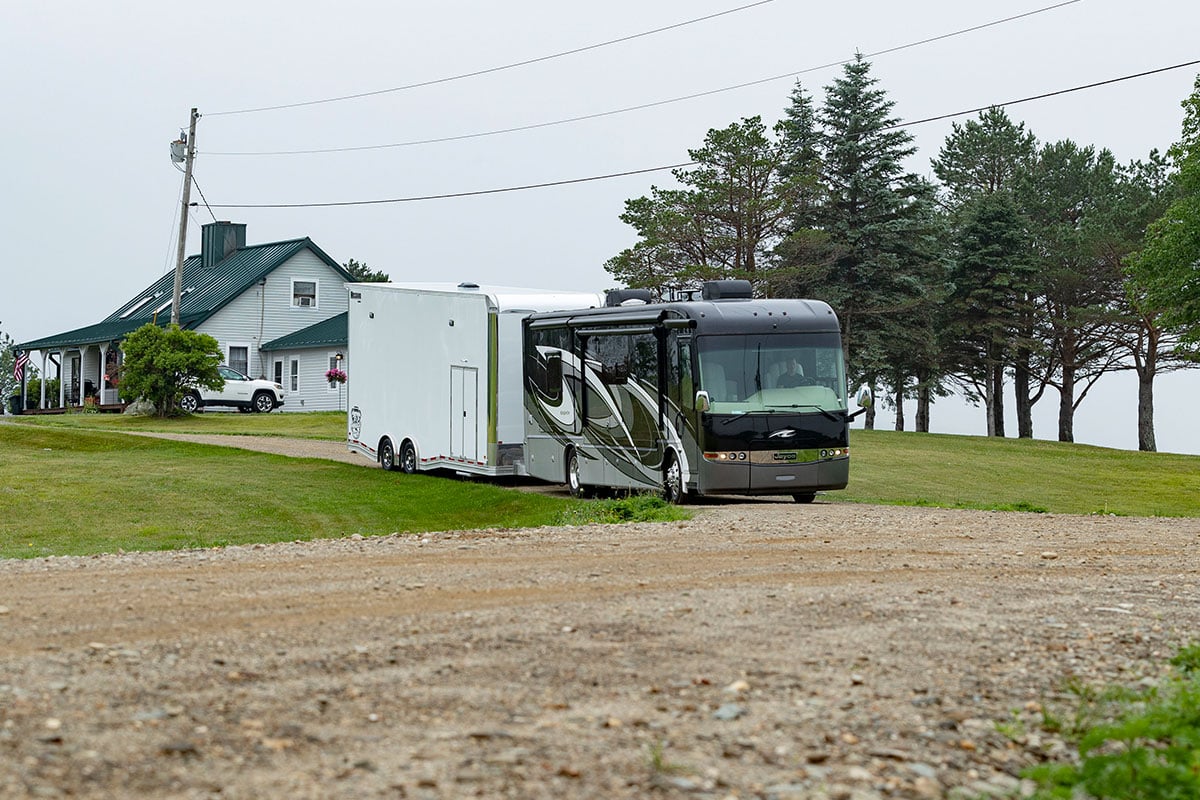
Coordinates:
<point>464,413</point>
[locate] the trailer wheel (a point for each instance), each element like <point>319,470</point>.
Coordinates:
<point>387,455</point>
<point>804,497</point>
<point>673,481</point>
<point>408,457</point>
<point>574,482</point>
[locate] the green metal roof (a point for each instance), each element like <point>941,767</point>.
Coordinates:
<point>101,332</point>
<point>205,291</point>
<point>332,332</point>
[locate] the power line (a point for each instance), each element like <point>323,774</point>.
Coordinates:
<point>654,104</point>
<point>1044,96</point>
<point>689,163</point>
<point>491,70</point>
<point>202,197</point>
<point>454,194</point>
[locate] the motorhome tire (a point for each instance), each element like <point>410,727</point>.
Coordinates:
<point>387,455</point>
<point>574,482</point>
<point>673,481</point>
<point>804,497</point>
<point>408,457</point>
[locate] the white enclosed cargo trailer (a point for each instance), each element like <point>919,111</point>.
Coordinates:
<point>437,380</point>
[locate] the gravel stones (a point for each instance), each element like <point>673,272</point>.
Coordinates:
<point>761,650</point>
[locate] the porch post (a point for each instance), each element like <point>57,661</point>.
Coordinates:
<point>100,379</point>
<point>62,383</point>
<point>45,380</point>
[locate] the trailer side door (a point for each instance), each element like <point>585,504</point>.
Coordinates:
<point>464,413</point>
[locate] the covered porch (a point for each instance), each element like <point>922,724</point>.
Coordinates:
<point>71,378</point>
<point>77,370</point>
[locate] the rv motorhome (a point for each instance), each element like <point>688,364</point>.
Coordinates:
<point>723,395</point>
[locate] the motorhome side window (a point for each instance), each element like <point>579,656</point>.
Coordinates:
<point>644,359</point>
<point>612,355</point>
<point>543,363</point>
<point>304,293</point>
<point>680,387</point>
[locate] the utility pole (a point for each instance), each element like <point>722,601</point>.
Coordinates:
<point>190,144</point>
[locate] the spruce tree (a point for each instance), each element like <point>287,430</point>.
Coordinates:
<point>879,225</point>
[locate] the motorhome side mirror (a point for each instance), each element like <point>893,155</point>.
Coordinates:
<point>702,403</point>
<point>864,396</point>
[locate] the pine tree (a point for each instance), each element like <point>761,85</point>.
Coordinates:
<point>725,223</point>
<point>875,223</point>
<point>981,160</point>
<point>1068,199</point>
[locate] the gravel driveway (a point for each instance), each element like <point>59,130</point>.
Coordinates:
<point>761,650</point>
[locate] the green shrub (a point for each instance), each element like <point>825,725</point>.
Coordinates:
<point>642,507</point>
<point>1135,743</point>
<point>33,392</point>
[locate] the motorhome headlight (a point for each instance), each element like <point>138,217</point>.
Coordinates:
<point>835,452</point>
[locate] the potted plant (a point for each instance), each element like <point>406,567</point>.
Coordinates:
<point>335,376</point>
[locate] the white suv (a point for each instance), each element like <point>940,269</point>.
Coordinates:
<point>242,392</point>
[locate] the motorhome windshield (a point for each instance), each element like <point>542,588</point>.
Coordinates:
<point>793,372</point>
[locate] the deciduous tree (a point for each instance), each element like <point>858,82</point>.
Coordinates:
<point>1168,266</point>
<point>160,363</point>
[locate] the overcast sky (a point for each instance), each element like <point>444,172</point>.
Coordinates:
<point>94,93</point>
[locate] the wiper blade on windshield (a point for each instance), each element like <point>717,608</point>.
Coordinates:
<point>822,409</point>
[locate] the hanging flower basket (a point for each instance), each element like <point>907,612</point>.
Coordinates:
<point>335,376</point>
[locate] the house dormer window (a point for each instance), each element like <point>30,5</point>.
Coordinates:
<point>304,294</point>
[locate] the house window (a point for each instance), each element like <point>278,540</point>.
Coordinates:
<point>304,293</point>
<point>279,372</point>
<point>239,358</point>
<point>294,375</point>
<point>334,363</point>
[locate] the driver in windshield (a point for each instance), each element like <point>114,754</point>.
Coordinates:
<point>793,377</point>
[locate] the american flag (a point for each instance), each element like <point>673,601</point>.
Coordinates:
<point>19,364</point>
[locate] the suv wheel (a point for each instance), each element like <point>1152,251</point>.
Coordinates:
<point>264,403</point>
<point>190,402</point>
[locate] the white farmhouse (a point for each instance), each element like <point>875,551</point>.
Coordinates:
<point>257,301</point>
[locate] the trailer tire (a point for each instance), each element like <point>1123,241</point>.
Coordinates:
<point>574,482</point>
<point>387,455</point>
<point>408,458</point>
<point>673,481</point>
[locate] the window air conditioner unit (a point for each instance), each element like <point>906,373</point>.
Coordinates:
<point>304,301</point>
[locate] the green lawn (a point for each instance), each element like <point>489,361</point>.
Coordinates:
<point>76,492</point>
<point>74,485</point>
<point>307,425</point>
<point>1023,475</point>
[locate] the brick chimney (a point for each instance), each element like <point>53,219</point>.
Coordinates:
<point>219,240</point>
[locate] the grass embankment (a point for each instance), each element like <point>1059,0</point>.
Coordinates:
<point>330,425</point>
<point>77,492</point>
<point>1018,475</point>
<point>70,486</point>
